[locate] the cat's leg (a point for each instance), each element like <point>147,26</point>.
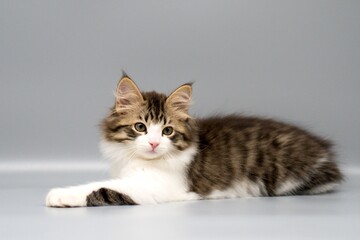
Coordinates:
<point>106,196</point>
<point>79,196</point>
<point>128,191</point>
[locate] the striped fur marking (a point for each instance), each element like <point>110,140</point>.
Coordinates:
<point>106,197</point>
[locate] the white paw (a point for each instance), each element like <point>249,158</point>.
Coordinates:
<point>66,197</point>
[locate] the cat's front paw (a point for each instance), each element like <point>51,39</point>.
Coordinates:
<point>65,197</point>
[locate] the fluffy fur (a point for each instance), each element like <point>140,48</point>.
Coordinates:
<point>158,153</point>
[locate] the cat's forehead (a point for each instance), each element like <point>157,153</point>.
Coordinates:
<point>154,107</point>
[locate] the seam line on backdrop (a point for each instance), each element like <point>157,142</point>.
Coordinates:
<point>28,166</point>
<point>85,165</point>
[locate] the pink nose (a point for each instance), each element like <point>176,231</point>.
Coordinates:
<point>154,144</point>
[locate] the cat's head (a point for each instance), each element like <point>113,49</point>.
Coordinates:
<point>150,125</point>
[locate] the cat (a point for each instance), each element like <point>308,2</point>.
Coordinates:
<point>159,153</point>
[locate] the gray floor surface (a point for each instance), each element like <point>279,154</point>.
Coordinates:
<point>24,216</point>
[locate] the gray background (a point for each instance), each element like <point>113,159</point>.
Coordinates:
<point>60,61</point>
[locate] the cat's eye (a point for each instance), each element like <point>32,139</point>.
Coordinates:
<point>167,130</point>
<point>140,127</point>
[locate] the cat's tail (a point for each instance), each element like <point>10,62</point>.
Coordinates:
<point>325,177</point>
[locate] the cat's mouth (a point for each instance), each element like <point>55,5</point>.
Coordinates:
<point>152,154</point>
<point>153,151</point>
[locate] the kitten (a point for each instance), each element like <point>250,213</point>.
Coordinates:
<point>158,153</point>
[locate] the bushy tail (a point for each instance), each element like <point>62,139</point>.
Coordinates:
<point>325,178</point>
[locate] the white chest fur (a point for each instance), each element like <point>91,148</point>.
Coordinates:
<point>160,180</point>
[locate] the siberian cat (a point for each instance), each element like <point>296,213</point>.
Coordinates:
<point>158,153</point>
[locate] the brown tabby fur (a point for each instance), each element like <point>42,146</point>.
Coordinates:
<point>234,148</point>
<point>105,196</point>
<point>260,150</point>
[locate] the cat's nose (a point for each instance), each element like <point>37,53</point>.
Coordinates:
<point>154,144</point>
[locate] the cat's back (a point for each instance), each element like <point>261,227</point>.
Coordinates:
<point>259,151</point>
<point>250,130</point>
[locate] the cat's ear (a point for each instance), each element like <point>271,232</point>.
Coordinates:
<point>128,95</point>
<point>180,99</point>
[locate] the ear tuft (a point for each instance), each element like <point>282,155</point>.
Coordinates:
<point>179,100</point>
<point>124,74</point>
<point>128,96</point>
